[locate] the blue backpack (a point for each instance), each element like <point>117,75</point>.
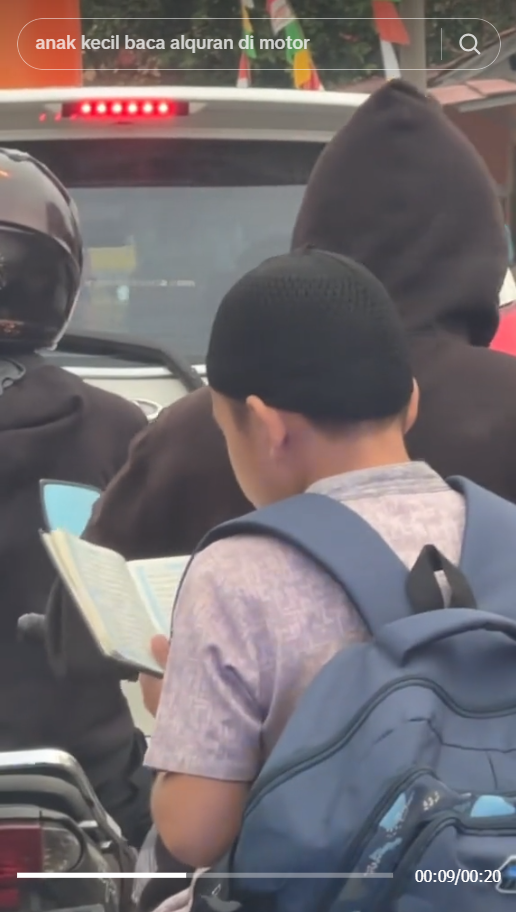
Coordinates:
<point>393,785</point>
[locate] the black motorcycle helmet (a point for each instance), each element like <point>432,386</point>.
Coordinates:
<point>41,254</point>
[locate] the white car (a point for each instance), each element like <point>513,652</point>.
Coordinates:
<point>181,190</point>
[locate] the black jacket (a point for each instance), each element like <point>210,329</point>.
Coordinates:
<point>52,425</point>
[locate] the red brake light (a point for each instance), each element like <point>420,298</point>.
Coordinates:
<point>133,109</point>
<point>21,851</point>
<point>9,898</point>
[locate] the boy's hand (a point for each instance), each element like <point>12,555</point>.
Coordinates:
<point>151,687</point>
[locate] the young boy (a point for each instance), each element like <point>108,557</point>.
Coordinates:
<point>312,388</point>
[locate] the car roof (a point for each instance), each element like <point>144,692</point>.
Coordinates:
<point>225,112</point>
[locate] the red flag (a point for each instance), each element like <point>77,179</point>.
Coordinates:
<point>389,24</point>
<point>312,83</point>
<point>244,72</point>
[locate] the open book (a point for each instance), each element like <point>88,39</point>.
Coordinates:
<point>125,604</point>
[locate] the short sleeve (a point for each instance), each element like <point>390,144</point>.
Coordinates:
<point>210,716</point>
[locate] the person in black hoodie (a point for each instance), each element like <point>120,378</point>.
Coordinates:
<point>52,425</point>
<point>402,191</point>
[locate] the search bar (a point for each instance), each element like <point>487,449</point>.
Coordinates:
<point>174,44</point>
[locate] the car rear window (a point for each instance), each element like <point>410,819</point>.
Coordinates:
<point>170,224</point>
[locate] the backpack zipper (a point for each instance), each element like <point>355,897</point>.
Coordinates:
<point>359,843</point>
<point>420,843</point>
<point>409,864</point>
<point>397,787</point>
<point>287,771</point>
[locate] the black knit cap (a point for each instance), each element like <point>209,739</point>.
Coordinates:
<point>314,333</point>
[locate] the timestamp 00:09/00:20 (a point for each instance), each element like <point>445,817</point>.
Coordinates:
<point>462,875</point>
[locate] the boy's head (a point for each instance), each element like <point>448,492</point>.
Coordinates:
<point>310,374</point>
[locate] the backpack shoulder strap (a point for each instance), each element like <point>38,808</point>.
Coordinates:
<point>488,558</point>
<point>341,543</point>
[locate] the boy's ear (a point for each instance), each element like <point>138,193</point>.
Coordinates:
<point>270,419</point>
<point>412,409</point>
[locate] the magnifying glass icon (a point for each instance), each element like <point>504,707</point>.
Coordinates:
<point>474,46</point>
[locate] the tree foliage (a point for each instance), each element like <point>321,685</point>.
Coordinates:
<point>344,49</point>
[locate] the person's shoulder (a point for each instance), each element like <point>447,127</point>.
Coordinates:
<point>239,584</point>
<point>190,416</point>
<point>111,405</point>
<point>488,377</point>
<point>185,438</point>
<point>255,547</point>
<point>493,374</point>
<point>254,564</point>
<point>494,361</point>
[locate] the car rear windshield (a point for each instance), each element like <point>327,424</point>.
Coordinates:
<point>169,225</point>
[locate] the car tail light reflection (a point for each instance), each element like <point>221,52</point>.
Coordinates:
<point>27,848</point>
<point>21,851</point>
<point>132,109</point>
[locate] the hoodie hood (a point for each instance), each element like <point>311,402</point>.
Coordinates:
<point>401,190</point>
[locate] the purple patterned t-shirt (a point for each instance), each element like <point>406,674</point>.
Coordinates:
<point>256,620</point>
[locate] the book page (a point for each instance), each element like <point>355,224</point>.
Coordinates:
<point>57,551</point>
<point>108,598</point>
<point>158,581</point>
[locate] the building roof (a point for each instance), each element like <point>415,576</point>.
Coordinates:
<point>472,92</point>
<point>476,93</point>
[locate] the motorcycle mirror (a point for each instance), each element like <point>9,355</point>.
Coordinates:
<point>67,505</point>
